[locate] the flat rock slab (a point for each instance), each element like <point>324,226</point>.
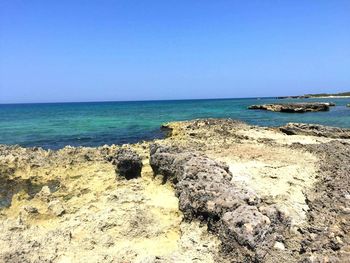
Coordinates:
<point>315,130</point>
<point>292,107</point>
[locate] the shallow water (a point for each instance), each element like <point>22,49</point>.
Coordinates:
<point>92,124</point>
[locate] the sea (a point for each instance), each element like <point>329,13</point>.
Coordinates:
<point>56,125</point>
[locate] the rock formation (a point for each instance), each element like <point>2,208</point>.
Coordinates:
<point>205,191</point>
<point>327,239</point>
<point>292,107</point>
<point>315,130</point>
<point>128,163</point>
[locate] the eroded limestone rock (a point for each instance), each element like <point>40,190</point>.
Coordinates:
<point>246,224</point>
<point>292,107</point>
<point>56,208</point>
<point>206,192</point>
<point>128,163</point>
<point>315,130</point>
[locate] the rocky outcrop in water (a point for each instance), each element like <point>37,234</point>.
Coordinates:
<point>315,130</point>
<point>205,191</point>
<point>293,107</point>
<point>293,97</point>
<point>128,163</point>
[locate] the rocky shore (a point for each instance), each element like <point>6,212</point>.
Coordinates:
<point>214,190</point>
<point>315,130</point>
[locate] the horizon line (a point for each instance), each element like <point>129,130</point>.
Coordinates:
<point>102,101</point>
<point>222,98</point>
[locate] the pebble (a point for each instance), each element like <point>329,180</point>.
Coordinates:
<point>279,245</point>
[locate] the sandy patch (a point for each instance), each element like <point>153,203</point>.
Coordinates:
<point>279,175</point>
<point>278,137</point>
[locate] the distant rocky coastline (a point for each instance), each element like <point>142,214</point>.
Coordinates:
<point>214,190</point>
<point>294,97</point>
<point>319,95</point>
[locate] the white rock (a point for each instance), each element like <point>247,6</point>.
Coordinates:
<point>279,245</point>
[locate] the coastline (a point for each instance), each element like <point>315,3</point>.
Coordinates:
<point>72,201</point>
<point>315,97</point>
<point>52,126</point>
<point>331,97</point>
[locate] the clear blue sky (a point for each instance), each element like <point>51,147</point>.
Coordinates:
<point>138,50</point>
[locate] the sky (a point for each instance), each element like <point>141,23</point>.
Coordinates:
<point>104,50</point>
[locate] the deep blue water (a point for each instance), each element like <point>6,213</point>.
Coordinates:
<point>92,124</point>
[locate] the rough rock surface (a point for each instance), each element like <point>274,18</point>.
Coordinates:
<point>246,225</point>
<point>285,172</point>
<point>206,192</point>
<point>128,163</point>
<point>292,107</point>
<point>315,130</point>
<point>326,236</point>
<point>67,206</point>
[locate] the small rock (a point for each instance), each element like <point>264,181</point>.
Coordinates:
<point>279,245</point>
<point>345,210</point>
<point>339,240</point>
<point>56,208</point>
<point>44,193</point>
<point>128,163</point>
<point>31,209</point>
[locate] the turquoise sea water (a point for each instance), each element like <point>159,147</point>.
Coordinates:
<point>92,124</point>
